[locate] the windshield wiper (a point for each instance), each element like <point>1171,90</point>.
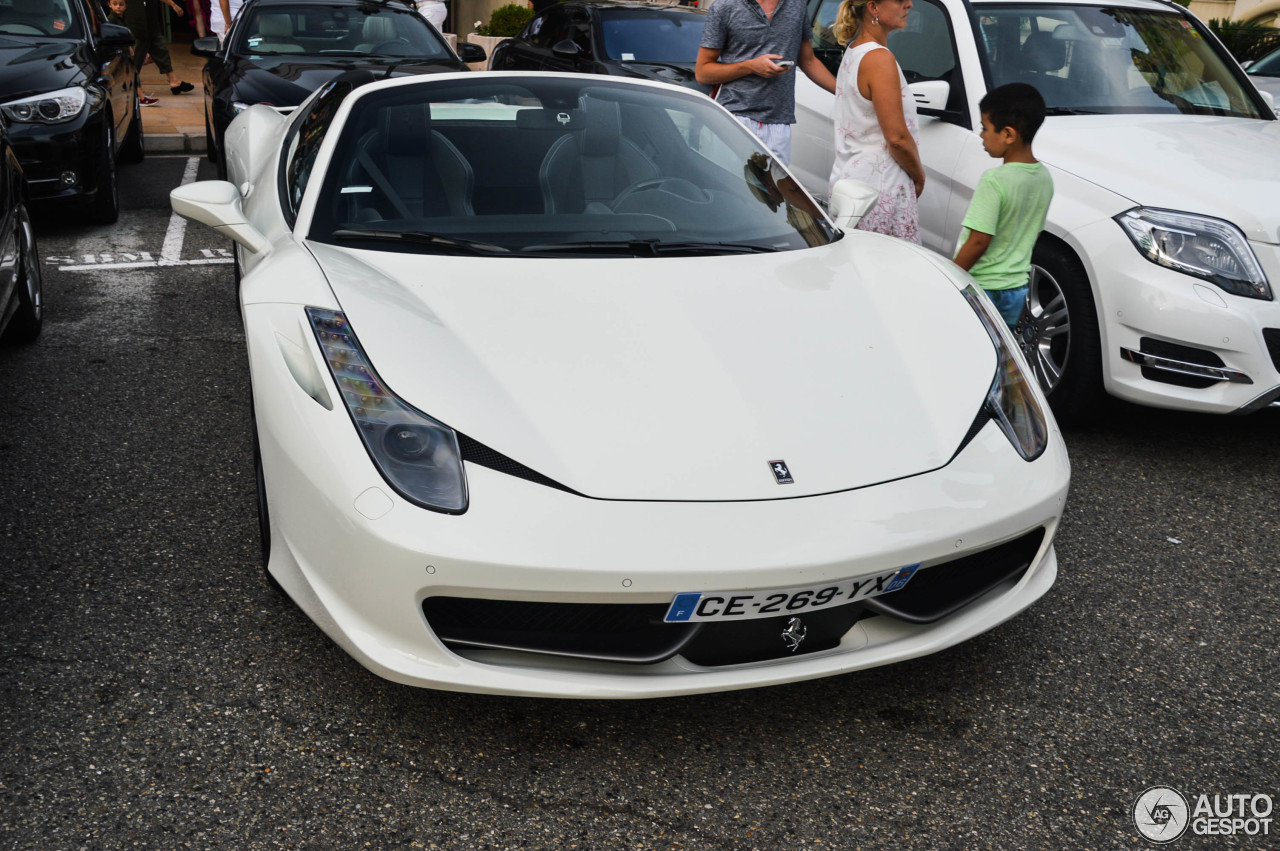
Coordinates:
<point>674,66</point>
<point>647,248</point>
<point>419,237</point>
<point>1070,110</point>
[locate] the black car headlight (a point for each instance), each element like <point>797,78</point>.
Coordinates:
<point>1011,402</point>
<point>418,456</point>
<point>50,108</point>
<point>1202,246</point>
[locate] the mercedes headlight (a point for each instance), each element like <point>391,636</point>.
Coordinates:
<point>417,455</point>
<point>51,108</point>
<point>1011,401</point>
<point>1204,247</point>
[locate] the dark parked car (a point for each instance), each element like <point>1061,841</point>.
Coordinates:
<point>622,39</point>
<point>1265,74</point>
<point>69,92</point>
<point>280,51</point>
<point>21,305</point>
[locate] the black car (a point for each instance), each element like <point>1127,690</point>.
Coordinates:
<point>280,51</point>
<point>622,39</point>
<point>69,92</point>
<point>21,305</point>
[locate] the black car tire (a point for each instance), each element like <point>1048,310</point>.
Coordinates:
<point>105,207</point>
<point>27,322</point>
<point>1058,333</point>
<point>133,150</point>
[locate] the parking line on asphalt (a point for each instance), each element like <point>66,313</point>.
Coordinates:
<point>170,251</point>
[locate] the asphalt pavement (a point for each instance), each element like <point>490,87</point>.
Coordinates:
<point>157,692</point>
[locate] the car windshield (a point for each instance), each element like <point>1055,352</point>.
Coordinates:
<point>1267,66</point>
<point>316,29</point>
<point>650,35</point>
<point>39,18</point>
<point>551,165</point>
<point>1090,59</point>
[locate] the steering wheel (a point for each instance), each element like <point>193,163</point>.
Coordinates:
<point>387,47</point>
<point>675,185</point>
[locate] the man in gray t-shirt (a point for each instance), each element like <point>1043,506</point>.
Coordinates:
<point>744,44</point>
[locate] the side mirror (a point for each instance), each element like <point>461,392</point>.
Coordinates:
<point>1270,101</point>
<point>206,46</point>
<point>114,37</point>
<point>566,49</point>
<point>217,203</point>
<point>469,52</point>
<point>850,201</point>
<point>930,95</point>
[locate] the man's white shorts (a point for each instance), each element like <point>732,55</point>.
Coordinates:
<point>776,137</point>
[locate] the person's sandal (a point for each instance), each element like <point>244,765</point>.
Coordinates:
<point>182,88</point>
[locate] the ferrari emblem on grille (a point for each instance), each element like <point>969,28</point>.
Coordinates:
<point>794,634</point>
<point>781,472</point>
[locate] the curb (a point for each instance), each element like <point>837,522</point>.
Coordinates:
<point>174,143</point>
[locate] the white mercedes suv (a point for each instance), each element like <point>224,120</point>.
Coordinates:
<point>1155,279</point>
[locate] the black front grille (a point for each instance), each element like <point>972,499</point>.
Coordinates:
<point>615,632</point>
<point>1272,338</point>
<point>940,590</point>
<point>636,633</point>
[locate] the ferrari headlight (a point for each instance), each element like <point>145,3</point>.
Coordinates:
<point>417,455</point>
<point>1207,248</point>
<point>1011,401</point>
<point>51,108</point>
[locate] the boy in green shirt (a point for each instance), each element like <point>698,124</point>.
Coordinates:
<point>1011,202</point>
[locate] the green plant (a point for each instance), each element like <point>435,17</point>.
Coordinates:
<point>1245,39</point>
<point>506,21</point>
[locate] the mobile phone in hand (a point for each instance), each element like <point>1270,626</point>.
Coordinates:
<point>785,63</point>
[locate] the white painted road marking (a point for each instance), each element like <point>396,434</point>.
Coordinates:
<point>170,251</point>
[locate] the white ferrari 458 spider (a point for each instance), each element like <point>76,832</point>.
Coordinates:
<point>563,387</point>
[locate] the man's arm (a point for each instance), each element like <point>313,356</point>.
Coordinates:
<point>710,71</point>
<point>813,68</point>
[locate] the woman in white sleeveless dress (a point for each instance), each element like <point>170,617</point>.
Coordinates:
<point>875,117</point>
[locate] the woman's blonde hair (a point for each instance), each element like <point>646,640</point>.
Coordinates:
<point>849,20</point>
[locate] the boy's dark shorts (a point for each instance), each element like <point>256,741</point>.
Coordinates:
<point>1009,302</point>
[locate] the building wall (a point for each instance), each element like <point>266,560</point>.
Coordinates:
<point>1236,10</point>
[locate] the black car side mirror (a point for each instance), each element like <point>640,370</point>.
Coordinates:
<point>114,37</point>
<point>566,49</point>
<point>469,52</point>
<point>206,46</point>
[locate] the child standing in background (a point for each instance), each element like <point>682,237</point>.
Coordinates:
<point>116,16</point>
<point>1011,201</point>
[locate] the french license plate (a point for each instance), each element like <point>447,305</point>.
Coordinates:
<point>746,605</point>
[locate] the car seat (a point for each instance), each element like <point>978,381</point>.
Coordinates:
<point>411,171</point>
<point>34,14</point>
<point>376,30</point>
<point>275,33</point>
<point>1042,54</point>
<point>584,170</point>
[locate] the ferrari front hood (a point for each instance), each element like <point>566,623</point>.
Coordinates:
<point>681,378</point>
